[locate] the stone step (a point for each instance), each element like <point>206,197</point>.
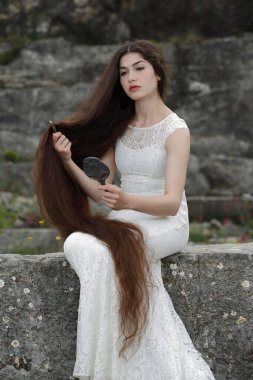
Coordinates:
<point>30,241</point>
<point>237,207</point>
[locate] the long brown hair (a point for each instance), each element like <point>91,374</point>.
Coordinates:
<point>93,129</point>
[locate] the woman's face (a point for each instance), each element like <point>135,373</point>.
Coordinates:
<point>137,77</point>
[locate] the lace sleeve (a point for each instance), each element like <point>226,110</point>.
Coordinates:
<point>172,127</point>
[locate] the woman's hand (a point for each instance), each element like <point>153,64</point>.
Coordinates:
<point>62,146</point>
<point>114,197</point>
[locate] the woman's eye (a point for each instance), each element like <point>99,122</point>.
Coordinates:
<point>122,73</point>
<point>140,68</point>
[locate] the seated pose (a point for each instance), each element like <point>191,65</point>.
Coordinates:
<point>127,326</point>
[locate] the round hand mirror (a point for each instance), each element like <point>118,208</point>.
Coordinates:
<point>96,169</point>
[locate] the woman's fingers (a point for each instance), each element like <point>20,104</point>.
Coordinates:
<point>65,143</point>
<point>62,146</point>
<point>110,196</point>
<point>56,135</point>
<point>60,141</point>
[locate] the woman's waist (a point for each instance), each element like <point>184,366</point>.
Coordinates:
<point>144,185</point>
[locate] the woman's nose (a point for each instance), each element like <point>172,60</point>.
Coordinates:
<point>131,77</point>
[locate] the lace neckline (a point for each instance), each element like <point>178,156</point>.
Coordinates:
<point>154,125</point>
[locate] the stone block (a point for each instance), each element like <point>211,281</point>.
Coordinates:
<point>210,285</point>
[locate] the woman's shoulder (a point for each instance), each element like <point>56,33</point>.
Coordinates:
<point>176,122</point>
<point>173,123</point>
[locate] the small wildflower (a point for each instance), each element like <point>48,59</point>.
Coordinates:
<point>29,238</point>
<point>226,221</point>
<point>226,206</point>
<point>57,237</point>
<point>29,221</point>
<point>41,221</point>
<point>26,290</point>
<point>244,237</point>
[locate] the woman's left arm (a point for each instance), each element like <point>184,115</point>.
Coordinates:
<point>178,150</point>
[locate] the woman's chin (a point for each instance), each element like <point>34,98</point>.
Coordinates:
<point>136,96</point>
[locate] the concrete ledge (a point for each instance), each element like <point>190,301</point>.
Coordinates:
<point>211,288</point>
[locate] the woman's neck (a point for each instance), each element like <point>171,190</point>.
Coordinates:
<point>149,112</point>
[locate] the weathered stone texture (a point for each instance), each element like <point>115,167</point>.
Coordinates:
<point>211,288</point>
<point>110,21</point>
<point>211,87</point>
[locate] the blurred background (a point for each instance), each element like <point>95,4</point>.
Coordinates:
<point>51,54</point>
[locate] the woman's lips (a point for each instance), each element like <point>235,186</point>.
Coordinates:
<point>134,88</point>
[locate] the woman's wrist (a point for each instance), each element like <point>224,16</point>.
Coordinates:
<point>67,162</point>
<point>130,201</point>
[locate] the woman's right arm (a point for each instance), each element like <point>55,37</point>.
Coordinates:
<point>90,186</point>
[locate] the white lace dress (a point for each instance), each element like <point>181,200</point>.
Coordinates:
<point>166,351</point>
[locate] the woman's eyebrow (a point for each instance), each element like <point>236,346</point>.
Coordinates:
<point>123,67</point>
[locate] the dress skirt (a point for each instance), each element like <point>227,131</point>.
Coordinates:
<point>165,351</point>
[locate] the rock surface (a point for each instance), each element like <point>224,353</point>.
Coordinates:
<point>211,87</point>
<point>109,21</point>
<point>211,288</point>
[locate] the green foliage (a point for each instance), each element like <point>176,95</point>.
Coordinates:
<point>197,234</point>
<point>249,224</point>
<point>7,218</point>
<point>16,42</point>
<point>12,156</point>
<point>33,249</point>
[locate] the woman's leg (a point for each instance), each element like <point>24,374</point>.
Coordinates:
<point>92,261</point>
<point>167,242</point>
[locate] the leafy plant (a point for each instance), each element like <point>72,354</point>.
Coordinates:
<point>7,218</point>
<point>12,156</point>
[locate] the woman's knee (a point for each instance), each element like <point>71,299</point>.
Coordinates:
<point>168,243</point>
<point>81,246</point>
<point>77,240</point>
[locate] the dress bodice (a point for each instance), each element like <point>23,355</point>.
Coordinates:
<point>140,157</point>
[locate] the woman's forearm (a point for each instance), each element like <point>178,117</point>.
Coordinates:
<point>88,185</point>
<point>161,205</point>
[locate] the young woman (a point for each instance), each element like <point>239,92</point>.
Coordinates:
<point>127,326</point>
